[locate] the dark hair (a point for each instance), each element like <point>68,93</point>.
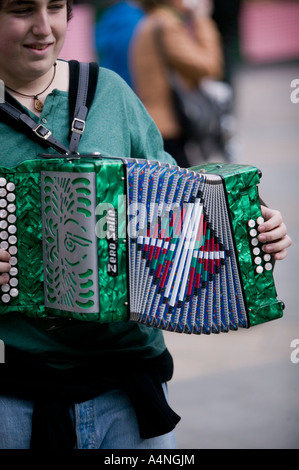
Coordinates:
<point>69,7</point>
<point>148,5</point>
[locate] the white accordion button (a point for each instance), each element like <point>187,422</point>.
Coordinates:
<point>259,269</point>
<point>10,186</point>
<point>13,271</point>
<point>3,224</point>
<point>11,197</point>
<point>12,250</point>
<point>14,292</point>
<point>5,288</point>
<point>12,240</point>
<point>5,298</point>
<point>13,282</point>
<point>11,208</point>
<point>11,218</point>
<point>3,235</point>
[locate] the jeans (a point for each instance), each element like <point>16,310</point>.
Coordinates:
<point>105,422</point>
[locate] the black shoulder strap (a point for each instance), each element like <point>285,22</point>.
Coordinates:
<point>83,82</point>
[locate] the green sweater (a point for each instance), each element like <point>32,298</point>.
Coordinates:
<point>117,125</point>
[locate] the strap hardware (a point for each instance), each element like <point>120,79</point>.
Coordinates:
<point>42,132</point>
<point>78,126</point>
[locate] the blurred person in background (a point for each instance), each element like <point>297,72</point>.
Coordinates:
<point>114,27</point>
<point>192,46</point>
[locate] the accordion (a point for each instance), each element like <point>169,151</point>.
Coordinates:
<point>109,240</point>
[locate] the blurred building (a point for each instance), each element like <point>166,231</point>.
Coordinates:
<point>269,30</point>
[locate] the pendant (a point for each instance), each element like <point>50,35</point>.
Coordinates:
<point>38,104</point>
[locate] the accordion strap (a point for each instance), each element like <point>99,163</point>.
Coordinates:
<point>37,129</point>
<point>83,81</point>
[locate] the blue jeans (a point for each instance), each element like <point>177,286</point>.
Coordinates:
<point>105,422</point>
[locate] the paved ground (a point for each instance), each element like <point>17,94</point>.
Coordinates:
<point>241,390</point>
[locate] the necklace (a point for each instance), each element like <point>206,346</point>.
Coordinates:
<point>38,104</point>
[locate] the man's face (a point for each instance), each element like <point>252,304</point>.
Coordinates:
<point>32,33</point>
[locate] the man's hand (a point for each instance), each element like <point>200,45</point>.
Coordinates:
<point>273,234</point>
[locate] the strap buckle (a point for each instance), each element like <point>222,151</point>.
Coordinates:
<point>42,132</point>
<point>78,126</point>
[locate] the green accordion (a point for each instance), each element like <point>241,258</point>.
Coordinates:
<point>110,240</point>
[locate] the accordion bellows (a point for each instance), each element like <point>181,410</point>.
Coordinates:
<point>110,240</point>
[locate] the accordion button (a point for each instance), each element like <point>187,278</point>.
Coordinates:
<point>11,219</point>
<point>3,213</point>
<point>254,242</point>
<point>267,257</point>
<point>3,224</point>
<point>260,220</point>
<point>3,235</point>
<point>4,245</point>
<point>12,229</point>
<point>5,288</point>
<point>3,203</point>
<point>12,239</point>
<point>268,266</point>
<point>3,192</point>
<point>13,282</point>
<point>11,197</point>
<point>256,251</point>
<point>251,223</point>
<point>13,271</point>
<point>5,298</point>
<point>253,232</point>
<point>11,208</point>
<point>258,260</point>
<point>10,186</point>
<point>14,292</point>
<point>259,269</point>
<point>13,250</point>
<point>13,261</point>
<point>2,182</point>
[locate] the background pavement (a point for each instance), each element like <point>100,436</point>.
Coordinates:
<point>241,390</point>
